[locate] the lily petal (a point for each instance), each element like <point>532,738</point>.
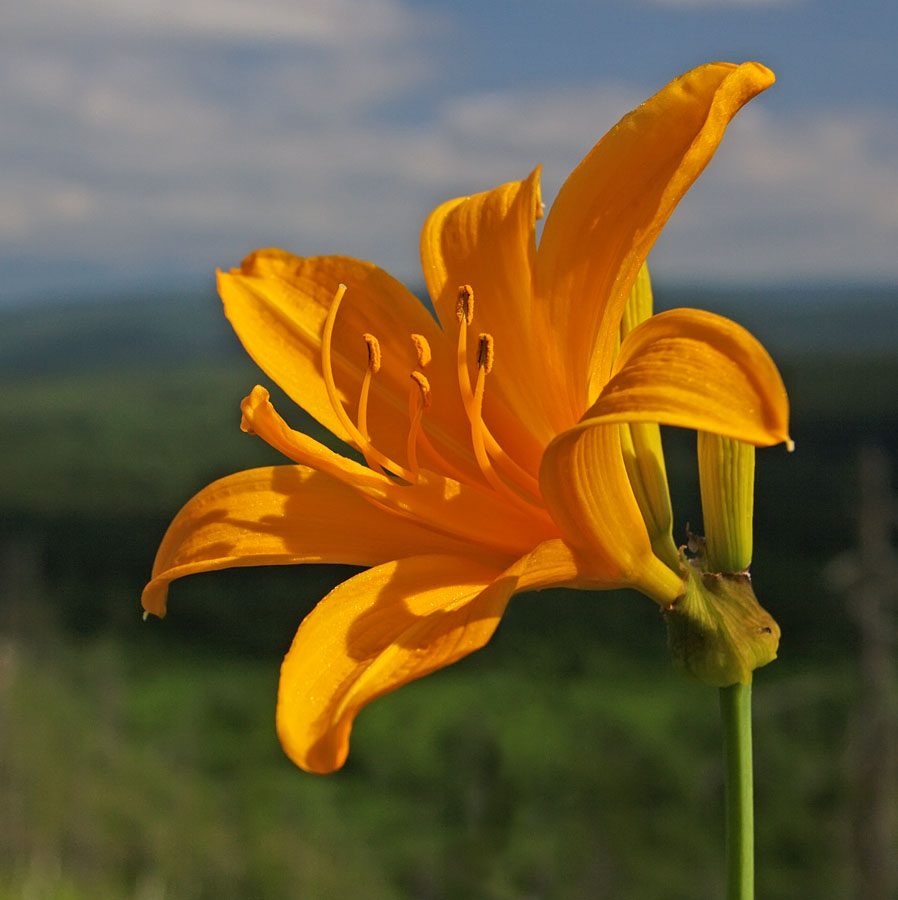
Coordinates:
<point>488,241</point>
<point>282,515</point>
<point>586,489</point>
<point>278,304</point>
<point>697,370</point>
<point>372,634</point>
<point>612,207</point>
<point>386,627</point>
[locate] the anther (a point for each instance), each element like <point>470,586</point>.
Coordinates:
<point>485,353</point>
<point>423,387</point>
<point>373,353</point>
<point>464,305</point>
<point>422,348</point>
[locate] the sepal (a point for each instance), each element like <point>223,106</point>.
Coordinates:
<point>717,631</point>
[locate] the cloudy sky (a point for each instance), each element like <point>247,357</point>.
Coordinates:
<point>145,142</point>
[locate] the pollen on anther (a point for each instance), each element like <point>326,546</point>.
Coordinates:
<point>423,386</point>
<point>373,352</point>
<point>464,305</point>
<point>422,348</point>
<point>485,353</point>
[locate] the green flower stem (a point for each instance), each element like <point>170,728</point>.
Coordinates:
<point>735,715</point>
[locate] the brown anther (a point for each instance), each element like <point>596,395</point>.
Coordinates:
<point>464,305</point>
<point>485,353</point>
<point>373,352</point>
<point>423,386</point>
<point>422,348</point>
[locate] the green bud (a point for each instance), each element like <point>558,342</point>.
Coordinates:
<point>644,459</point>
<point>717,631</point>
<point>639,303</point>
<point>726,471</point>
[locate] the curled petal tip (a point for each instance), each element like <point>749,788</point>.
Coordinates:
<point>764,75</point>
<point>154,599</point>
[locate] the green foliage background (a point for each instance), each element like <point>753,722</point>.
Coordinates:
<point>567,760</point>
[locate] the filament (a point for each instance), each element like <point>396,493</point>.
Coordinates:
<point>479,431</point>
<point>422,402</point>
<point>362,442</point>
<point>464,311</point>
<point>374,359</point>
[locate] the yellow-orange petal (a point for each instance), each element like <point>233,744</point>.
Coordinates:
<point>278,304</point>
<point>283,515</point>
<point>697,370</point>
<point>464,511</point>
<point>586,489</point>
<point>612,207</point>
<point>487,241</point>
<point>391,625</point>
<point>372,634</point>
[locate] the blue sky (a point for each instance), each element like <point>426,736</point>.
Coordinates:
<point>144,143</point>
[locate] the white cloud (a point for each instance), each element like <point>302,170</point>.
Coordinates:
<point>326,23</point>
<point>811,197</point>
<point>131,156</point>
<point>27,206</point>
<point>128,150</point>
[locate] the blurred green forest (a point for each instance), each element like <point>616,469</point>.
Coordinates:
<point>566,760</point>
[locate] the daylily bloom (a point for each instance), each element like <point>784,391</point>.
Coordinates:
<point>496,460</point>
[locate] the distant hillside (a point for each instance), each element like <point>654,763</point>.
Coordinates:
<point>135,332</point>
<point>805,321</point>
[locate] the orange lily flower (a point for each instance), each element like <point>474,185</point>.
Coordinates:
<point>494,458</point>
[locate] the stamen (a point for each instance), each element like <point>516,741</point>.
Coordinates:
<point>420,392</point>
<point>464,305</point>
<point>512,470</point>
<point>423,387</point>
<point>485,352</point>
<point>480,433</point>
<point>422,348</point>
<point>422,403</point>
<point>478,430</point>
<point>374,359</point>
<point>373,353</point>
<point>464,309</point>
<point>358,437</point>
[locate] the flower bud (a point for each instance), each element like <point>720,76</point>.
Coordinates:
<point>644,459</point>
<point>726,471</point>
